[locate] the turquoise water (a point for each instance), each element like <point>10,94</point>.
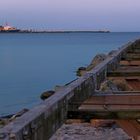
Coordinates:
<point>33,63</point>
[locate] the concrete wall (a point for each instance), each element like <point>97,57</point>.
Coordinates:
<point>43,120</point>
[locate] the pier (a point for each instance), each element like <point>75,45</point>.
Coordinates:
<point>83,99</point>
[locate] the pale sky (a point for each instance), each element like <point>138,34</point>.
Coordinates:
<point>115,15</point>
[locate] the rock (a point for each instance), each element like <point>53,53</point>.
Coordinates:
<point>18,114</point>
<point>112,52</point>
<point>81,71</point>
<point>88,132</point>
<point>7,119</point>
<point>96,60</point>
<point>4,122</point>
<point>105,86</point>
<point>121,85</point>
<point>47,94</point>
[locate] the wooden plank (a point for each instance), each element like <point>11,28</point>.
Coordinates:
<point>114,99</point>
<point>125,71</point>
<point>114,108</point>
<point>135,84</point>
<point>131,127</point>
<point>130,63</point>
<point>123,74</point>
<point>128,68</point>
<point>88,115</point>
<point>134,50</point>
<point>131,56</point>
<point>124,78</point>
<point>112,103</point>
<point>100,93</point>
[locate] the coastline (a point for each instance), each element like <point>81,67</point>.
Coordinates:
<point>54,31</point>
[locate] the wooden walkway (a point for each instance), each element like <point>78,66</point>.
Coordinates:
<point>121,105</point>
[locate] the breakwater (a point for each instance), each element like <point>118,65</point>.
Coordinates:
<point>43,120</point>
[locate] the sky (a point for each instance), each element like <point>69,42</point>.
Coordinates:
<point>114,15</point>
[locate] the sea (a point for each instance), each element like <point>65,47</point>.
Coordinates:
<point>31,63</point>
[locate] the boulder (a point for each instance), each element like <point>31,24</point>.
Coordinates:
<point>121,85</point>
<point>81,71</point>
<point>47,94</point>
<point>96,60</point>
<point>112,52</point>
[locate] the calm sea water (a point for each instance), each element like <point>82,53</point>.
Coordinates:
<point>33,63</point>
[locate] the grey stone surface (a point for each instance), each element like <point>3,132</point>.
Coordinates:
<point>88,132</point>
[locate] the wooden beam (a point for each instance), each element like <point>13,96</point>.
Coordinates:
<point>125,71</point>
<point>88,115</point>
<point>134,50</point>
<point>109,106</point>
<point>130,63</point>
<point>101,93</point>
<point>135,84</point>
<point>112,102</point>
<point>123,74</point>
<point>131,56</point>
<point>124,78</point>
<point>131,127</point>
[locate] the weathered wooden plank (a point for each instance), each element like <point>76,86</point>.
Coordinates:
<point>123,74</point>
<point>131,56</point>
<point>128,69</point>
<point>124,78</point>
<point>102,96</point>
<point>130,63</point>
<point>111,103</point>
<point>125,71</point>
<point>100,93</point>
<point>134,83</point>
<point>131,127</point>
<point>114,107</point>
<point>113,99</point>
<point>134,50</point>
<point>88,115</point>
